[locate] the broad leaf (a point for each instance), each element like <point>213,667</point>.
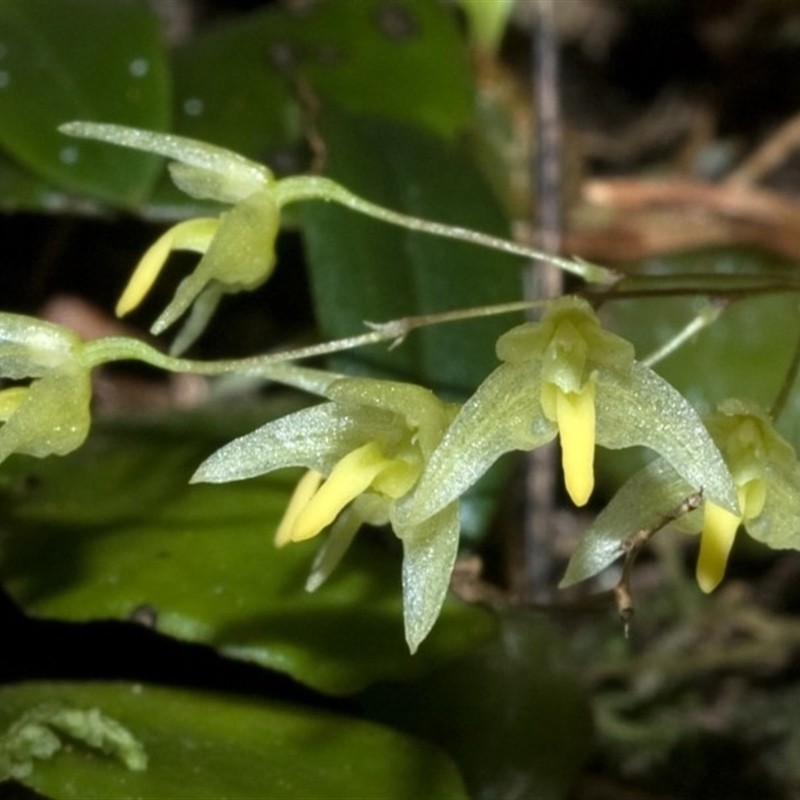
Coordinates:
<point>511,714</point>
<point>115,526</point>
<point>237,82</point>
<point>202,745</point>
<point>363,269</point>
<point>90,59</point>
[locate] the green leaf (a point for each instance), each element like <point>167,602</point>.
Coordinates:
<point>114,526</point>
<point>363,269</point>
<point>511,714</point>
<point>21,190</point>
<point>90,59</point>
<point>236,84</point>
<point>203,745</point>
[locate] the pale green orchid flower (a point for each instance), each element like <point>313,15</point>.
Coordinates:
<point>766,474</point>
<point>238,247</point>
<point>566,376</point>
<point>49,414</point>
<point>365,451</point>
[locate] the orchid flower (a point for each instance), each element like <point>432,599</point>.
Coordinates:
<point>566,376</point>
<point>766,474</point>
<point>365,450</point>
<point>238,247</point>
<point>49,413</point>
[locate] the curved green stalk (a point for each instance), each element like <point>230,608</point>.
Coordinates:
<point>296,189</point>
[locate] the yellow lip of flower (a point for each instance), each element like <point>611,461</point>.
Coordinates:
<point>194,235</point>
<point>719,532</point>
<point>574,414</point>
<point>315,504</point>
<point>716,541</point>
<point>349,478</point>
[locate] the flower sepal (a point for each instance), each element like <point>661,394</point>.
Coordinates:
<point>49,415</point>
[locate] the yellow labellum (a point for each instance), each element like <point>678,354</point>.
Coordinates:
<point>194,234</point>
<point>575,416</point>
<point>716,540</point>
<point>719,532</point>
<point>352,476</point>
<point>303,492</point>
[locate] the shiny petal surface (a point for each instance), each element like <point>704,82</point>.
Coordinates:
<point>637,407</point>
<point>315,438</point>
<point>236,177</point>
<point>503,415</point>
<point>429,553</point>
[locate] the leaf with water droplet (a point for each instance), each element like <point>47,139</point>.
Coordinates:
<point>90,59</point>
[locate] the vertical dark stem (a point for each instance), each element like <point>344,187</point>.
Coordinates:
<point>544,281</point>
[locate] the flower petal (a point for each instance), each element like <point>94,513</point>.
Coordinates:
<point>429,553</point>
<point>194,235</point>
<point>29,347</point>
<point>315,438</point>
<point>778,524</point>
<point>503,415</point>
<point>638,504</point>
<point>371,509</point>
<point>10,401</point>
<point>637,407</point>
<point>719,531</point>
<point>236,176</point>
<point>53,417</point>
<point>420,408</point>
<point>200,315</point>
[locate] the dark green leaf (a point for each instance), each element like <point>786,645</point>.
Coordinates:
<point>114,526</point>
<point>81,59</point>
<point>511,715</point>
<point>202,745</point>
<point>363,269</point>
<point>238,84</point>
